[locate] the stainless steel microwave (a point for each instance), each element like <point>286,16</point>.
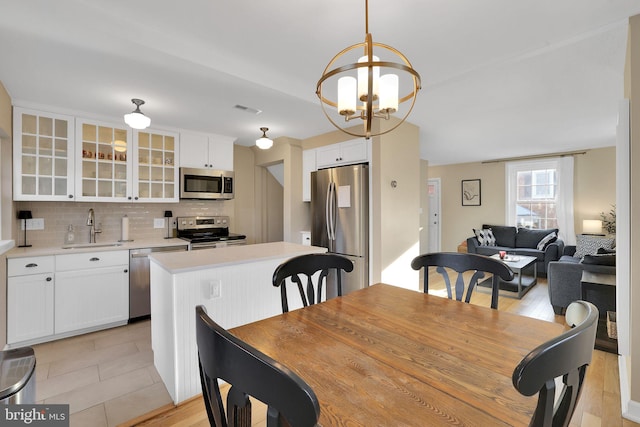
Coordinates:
<point>208,184</point>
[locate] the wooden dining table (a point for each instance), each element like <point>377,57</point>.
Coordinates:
<point>388,356</point>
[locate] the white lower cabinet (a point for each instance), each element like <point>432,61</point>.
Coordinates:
<point>92,289</point>
<point>51,297</point>
<point>30,287</point>
<point>29,307</point>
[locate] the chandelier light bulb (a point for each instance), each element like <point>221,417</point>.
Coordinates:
<point>389,93</point>
<point>347,95</point>
<point>363,79</point>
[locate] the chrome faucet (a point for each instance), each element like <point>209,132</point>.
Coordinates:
<point>91,221</point>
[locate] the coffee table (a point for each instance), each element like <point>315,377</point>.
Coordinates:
<point>521,283</point>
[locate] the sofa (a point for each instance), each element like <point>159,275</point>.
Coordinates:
<point>564,276</point>
<point>544,245</point>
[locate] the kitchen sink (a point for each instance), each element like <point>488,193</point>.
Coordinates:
<point>91,245</point>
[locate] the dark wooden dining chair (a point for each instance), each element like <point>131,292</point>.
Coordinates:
<point>290,400</point>
<point>461,263</point>
<point>566,356</point>
<point>306,266</point>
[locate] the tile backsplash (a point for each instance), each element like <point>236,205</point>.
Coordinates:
<point>58,215</point>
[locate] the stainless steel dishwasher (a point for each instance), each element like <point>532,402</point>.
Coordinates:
<point>139,280</point>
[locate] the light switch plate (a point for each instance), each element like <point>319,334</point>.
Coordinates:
<point>158,223</point>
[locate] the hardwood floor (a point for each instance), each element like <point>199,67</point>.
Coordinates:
<point>108,377</point>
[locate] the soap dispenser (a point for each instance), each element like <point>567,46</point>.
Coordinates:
<point>71,236</point>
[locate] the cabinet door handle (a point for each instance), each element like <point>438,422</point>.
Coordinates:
<point>71,196</point>
<point>49,279</point>
<point>126,271</point>
<point>31,265</point>
<point>94,259</point>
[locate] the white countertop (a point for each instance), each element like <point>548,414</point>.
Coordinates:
<point>180,262</point>
<point>17,252</point>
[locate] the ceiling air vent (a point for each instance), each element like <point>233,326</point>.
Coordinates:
<point>248,109</point>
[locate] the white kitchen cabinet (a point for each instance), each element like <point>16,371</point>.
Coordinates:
<point>43,160</point>
<point>116,164</point>
<point>198,150</point>
<point>308,166</point>
<point>102,173</point>
<point>343,153</point>
<point>92,289</point>
<point>156,167</point>
<point>30,294</point>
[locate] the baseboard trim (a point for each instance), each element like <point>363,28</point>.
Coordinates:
<point>630,409</point>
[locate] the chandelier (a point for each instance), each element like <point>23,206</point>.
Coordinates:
<point>136,119</point>
<point>361,92</point>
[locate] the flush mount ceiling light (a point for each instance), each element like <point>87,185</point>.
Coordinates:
<point>361,80</point>
<point>136,119</point>
<point>264,142</point>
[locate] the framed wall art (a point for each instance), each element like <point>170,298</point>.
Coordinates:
<point>470,192</point>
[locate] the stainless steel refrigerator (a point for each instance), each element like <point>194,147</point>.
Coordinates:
<point>340,220</point>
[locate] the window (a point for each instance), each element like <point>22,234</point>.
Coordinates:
<point>540,194</point>
<point>536,198</point>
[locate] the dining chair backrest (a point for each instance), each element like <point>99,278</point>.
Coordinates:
<point>566,356</point>
<point>250,373</point>
<point>462,263</point>
<point>306,266</point>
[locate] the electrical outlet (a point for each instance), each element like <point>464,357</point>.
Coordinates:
<point>158,223</point>
<point>211,289</point>
<point>33,224</point>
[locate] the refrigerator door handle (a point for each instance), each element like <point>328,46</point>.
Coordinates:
<point>326,211</point>
<point>333,211</point>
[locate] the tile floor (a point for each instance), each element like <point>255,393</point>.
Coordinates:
<point>106,377</point>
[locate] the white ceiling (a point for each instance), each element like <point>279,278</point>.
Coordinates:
<point>500,78</point>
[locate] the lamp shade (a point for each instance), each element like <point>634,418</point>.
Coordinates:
<point>168,214</point>
<point>137,120</point>
<point>24,215</point>
<point>591,226</point>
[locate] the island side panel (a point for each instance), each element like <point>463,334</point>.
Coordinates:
<point>246,294</point>
<point>163,336</point>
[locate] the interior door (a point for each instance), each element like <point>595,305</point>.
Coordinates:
<point>433,188</point>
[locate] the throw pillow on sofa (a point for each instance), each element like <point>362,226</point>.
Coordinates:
<point>485,237</point>
<point>547,240</point>
<point>589,245</point>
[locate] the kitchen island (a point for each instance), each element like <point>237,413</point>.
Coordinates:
<point>233,283</point>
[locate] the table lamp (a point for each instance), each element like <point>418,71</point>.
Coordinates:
<point>167,215</point>
<point>24,216</point>
<point>592,227</point>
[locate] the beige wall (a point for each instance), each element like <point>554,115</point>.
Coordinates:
<point>396,219</point>
<point>457,221</point>
<point>594,192</point>
<point>295,213</point>
<point>395,211</point>
<point>244,199</point>
<point>6,205</point>
<point>632,91</point>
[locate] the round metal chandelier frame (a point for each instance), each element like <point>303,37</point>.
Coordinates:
<point>366,109</point>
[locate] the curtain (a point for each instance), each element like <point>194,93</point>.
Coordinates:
<point>564,200</point>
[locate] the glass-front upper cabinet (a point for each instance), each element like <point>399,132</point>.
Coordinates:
<point>156,170</point>
<point>103,155</point>
<point>43,161</point>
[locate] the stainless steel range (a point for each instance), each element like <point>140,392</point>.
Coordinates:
<point>205,232</point>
